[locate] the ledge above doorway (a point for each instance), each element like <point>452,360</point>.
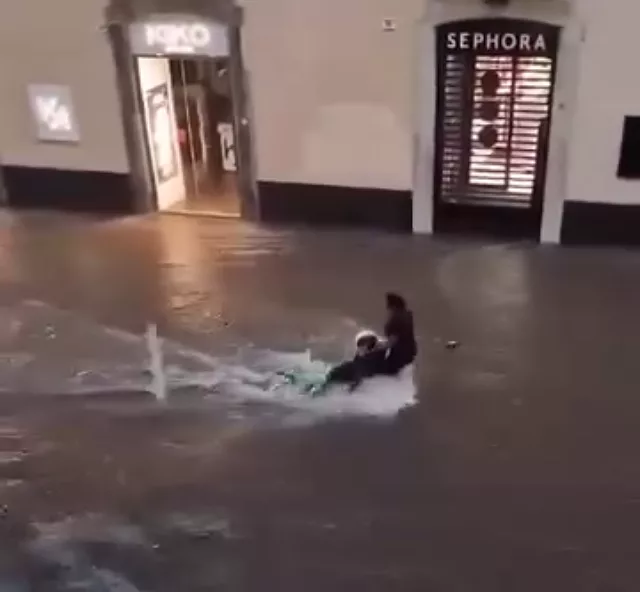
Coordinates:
<point>126,11</point>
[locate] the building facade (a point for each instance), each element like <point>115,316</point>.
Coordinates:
<point>516,118</point>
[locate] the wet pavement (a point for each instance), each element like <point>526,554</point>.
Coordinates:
<point>516,469</point>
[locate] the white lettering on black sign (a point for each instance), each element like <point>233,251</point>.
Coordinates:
<point>497,41</point>
<point>178,38</point>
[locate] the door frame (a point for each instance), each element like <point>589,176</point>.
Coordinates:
<point>119,14</point>
<point>560,14</point>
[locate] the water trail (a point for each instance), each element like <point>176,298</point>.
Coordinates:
<point>156,366</point>
<point>63,352</point>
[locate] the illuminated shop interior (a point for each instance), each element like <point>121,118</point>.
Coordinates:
<point>190,135</point>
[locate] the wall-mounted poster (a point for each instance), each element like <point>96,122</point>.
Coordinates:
<point>161,133</point>
<point>227,145</point>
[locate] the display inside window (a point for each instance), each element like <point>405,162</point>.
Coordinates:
<point>161,133</point>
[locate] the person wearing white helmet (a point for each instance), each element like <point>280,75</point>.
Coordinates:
<point>381,356</point>
<point>365,364</point>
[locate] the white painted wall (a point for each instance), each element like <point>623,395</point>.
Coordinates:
<point>338,101</point>
<point>332,93</point>
<point>59,42</point>
<point>154,72</point>
<point>334,96</point>
<point>608,89</point>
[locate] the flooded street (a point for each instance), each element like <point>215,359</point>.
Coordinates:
<point>512,466</point>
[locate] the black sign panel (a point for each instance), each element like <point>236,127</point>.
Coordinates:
<point>499,36</point>
<point>495,90</point>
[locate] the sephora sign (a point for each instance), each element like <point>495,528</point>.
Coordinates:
<point>499,36</point>
<point>507,42</point>
<point>179,36</point>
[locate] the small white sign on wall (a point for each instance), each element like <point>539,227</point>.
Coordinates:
<point>389,25</point>
<point>53,113</point>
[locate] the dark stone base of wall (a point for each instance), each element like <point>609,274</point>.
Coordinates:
<point>330,205</point>
<point>78,191</point>
<point>587,223</point>
<point>497,222</point>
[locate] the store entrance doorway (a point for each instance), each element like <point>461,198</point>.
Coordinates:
<point>495,94</point>
<point>190,134</point>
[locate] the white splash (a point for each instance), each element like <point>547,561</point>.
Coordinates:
<point>90,359</point>
<point>201,525</point>
<point>60,545</point>
<point>259,379</point>
<point>156,364</point>
<point>379,396</point>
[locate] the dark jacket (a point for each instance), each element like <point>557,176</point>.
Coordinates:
<point>399,330</point>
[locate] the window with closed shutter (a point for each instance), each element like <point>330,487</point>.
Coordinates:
<point>494,109</point>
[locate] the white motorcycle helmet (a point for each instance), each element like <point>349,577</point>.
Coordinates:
<point>365,335</point>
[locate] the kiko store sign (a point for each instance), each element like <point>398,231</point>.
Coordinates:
<point>183,36</point>
<point>498,36</point>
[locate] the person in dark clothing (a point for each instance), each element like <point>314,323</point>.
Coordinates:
<point>367,362</point>
<point>375,358</point>
<point>401,346</point>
